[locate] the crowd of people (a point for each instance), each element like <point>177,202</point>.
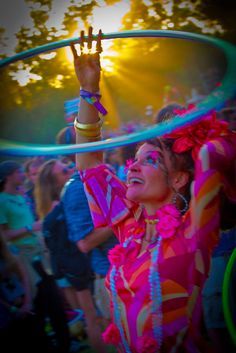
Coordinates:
<point>135,241</point>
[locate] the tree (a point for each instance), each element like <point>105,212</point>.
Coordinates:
<point>51,76</point>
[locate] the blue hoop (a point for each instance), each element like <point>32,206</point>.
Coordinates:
<point>215,100</point>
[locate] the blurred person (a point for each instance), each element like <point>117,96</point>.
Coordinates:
<point>228,114</point>
<point>95,243</point>
<point>68,262</point>
<point>17,223</point>
<point>213,316</point>
<point>31,168</point>
<point>52,176</point>
<point>15,301</point>
<point>23,235</point>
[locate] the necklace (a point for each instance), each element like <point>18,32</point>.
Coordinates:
<point>166,221</point>
<point>155,296</point>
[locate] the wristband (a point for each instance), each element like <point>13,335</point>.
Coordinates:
<point>93,99</point>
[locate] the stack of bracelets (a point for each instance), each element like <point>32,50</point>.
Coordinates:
<point>91,131</point>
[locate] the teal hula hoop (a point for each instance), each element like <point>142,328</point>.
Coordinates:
<point>230,323</point>
<point>215,100</point>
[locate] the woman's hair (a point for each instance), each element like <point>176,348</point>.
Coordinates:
<point>66,136</point>
<point>180,162</point>
<point>46,188</point>
<point>168,112</point>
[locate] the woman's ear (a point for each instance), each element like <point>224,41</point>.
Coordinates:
<point>180,180</point>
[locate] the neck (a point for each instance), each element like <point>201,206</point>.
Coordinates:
<point>151,208</point>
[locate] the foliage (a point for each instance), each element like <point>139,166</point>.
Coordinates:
<point>52,79</point>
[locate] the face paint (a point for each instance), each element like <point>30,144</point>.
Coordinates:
<point>151,159</point>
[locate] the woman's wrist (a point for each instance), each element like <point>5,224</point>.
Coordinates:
<point>92,89</point>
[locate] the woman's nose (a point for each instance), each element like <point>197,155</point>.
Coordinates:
<point>134,166</point>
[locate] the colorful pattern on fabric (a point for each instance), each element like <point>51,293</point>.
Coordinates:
<point>182,263</point>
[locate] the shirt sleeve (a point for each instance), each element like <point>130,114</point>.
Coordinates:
<point>106,196</point>
<point>215,173</point>
<point>76,209</point>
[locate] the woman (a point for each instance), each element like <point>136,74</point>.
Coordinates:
<point>159,268</point>
<point>52,176</point>
<point>69,264</point>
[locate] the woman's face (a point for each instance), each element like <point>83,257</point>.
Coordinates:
<point>147,178</point>
<point>62,173</point>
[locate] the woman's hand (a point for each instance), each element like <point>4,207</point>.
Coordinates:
<point>87,66</point>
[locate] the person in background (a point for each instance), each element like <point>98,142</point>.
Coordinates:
<point>213,316</point>
<point>31,168</point>
<point>214,320</point>
<point>97,243</point>
<point>15,302</point>
<point>70,266</point>
<point>52,176</point>
<point>160,265</point>
<point>17,223</point>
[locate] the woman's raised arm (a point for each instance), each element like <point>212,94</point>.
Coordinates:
<point>88,123</point>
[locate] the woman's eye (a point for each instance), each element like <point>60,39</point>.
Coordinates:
<point>151,161</point>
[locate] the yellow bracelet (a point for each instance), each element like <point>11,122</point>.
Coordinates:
<point>93,126</point>
<point>90,138</point>
<point>88,133</point>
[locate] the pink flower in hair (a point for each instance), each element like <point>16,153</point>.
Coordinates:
<point>193,137</point>
<point>111,335</point>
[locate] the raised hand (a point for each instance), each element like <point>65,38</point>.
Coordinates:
<point>87,66</point>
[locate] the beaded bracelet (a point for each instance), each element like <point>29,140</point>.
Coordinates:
<point>94,99</point>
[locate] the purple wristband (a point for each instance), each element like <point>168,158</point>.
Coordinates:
<point>94,99</point>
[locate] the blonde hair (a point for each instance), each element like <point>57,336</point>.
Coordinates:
<point>46,188</point>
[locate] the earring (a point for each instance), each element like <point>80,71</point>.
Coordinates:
<point>174,200</point>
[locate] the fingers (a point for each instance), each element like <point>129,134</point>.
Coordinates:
<point>74,51</point>
<point>90,37</point>
<point>99,42</point>
<point>82,42</point>
<point>89,40</point>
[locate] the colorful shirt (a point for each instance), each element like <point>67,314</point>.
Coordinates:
<point>155,294</point>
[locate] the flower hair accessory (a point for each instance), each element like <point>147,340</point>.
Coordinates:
<point>194,136</point>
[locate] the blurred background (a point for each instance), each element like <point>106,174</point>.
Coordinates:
<point>139,76</point>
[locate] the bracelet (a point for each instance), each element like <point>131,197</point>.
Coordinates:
<point>84,130</point>
<point>88,133</point>
<point>93,126</point>
<point>93,99</point>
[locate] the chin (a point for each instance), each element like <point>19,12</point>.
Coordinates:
<point>132,196</point>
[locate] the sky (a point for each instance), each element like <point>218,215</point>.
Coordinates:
<point>15,13</point>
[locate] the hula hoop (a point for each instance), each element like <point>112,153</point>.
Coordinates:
<point>215,100</point>
<point>225,296</point>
